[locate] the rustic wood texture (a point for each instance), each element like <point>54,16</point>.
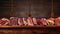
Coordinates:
<point>31,30</point>
<point>21,8</point>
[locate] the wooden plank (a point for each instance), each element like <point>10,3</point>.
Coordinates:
<point>30,27</point>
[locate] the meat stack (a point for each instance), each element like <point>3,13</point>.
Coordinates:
<point>15,21</point>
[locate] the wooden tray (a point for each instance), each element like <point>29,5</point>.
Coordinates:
<point>39,27</point>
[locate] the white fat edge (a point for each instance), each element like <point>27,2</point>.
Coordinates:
<point>25,22</point>
<point>34,20</point>
<point>19,21</point>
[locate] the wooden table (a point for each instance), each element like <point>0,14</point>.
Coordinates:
<point>29,30</point>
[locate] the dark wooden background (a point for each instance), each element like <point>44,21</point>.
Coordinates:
<point>21,8</point>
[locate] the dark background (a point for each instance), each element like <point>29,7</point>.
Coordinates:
<point>21,8</point>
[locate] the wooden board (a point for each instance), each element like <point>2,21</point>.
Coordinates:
<point>30,27</point>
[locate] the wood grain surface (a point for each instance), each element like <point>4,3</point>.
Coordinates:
<point>29,30</point>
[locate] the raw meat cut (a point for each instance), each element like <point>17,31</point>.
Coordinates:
<point>25,21</point>
<point>57,21</point>
<point>34,21</point>
<point>13,21</point>
<point>29,21</point>
<point>4,21</point>
<point>43,21</point>
<point>20,21</point>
